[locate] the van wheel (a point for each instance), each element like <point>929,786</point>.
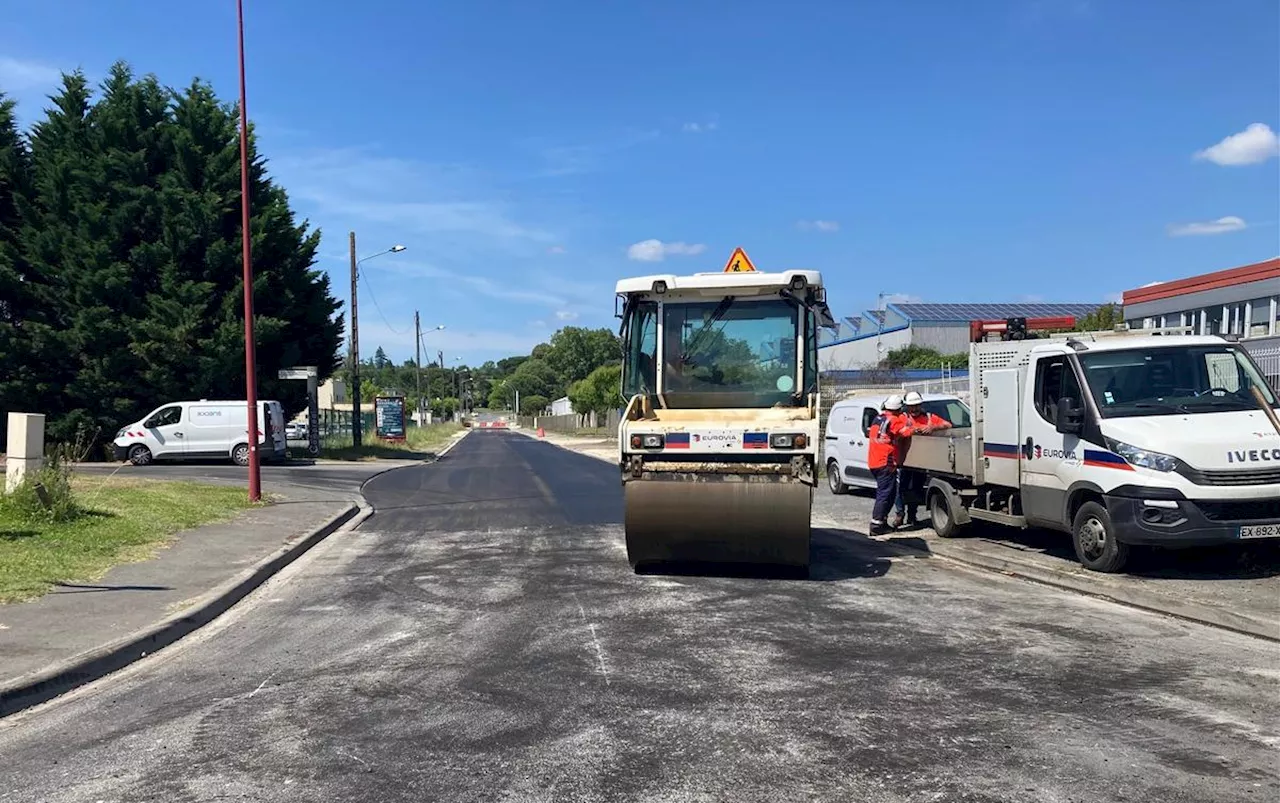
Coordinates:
<point>140,455</point>
<point>240,454</point>
<point>1095,541</point>
<point>944,524</point>
<point>833,478</point>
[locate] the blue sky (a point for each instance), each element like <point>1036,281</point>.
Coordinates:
<point>529,154</point>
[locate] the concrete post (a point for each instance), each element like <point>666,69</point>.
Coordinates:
<point>26,448</point>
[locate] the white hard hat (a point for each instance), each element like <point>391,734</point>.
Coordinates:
<point>894,402</point>
<point>913,398</point>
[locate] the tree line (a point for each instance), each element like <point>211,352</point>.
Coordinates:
<point>583,364</point>
<point>120,259</point>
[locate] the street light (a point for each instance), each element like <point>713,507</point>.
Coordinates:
<point>355,336</point>
<point>250,367</point>
<point>417,350</point>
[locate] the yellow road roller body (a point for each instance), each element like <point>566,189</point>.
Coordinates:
<point>719,439</point>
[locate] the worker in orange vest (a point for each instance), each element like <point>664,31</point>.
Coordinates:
<point>884,456</point>
<point>910,481</point>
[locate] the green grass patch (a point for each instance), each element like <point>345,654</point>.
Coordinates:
<point>420,443</point>
<point>110,521</point>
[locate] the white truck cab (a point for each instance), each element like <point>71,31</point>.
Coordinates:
<point>194,430</point>
<point>845,441</point>
<point>1120,439</point>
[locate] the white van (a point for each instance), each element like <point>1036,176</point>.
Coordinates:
<point>849,423</point>
<point>192,430</point>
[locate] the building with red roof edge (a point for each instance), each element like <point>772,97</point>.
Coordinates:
<point>1243,301</point>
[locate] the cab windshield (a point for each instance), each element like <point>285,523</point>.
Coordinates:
<point>723,353</point>
<point>1173,380</point>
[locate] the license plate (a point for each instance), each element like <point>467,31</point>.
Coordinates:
<point>726,439</point>
<point>1260,531</point>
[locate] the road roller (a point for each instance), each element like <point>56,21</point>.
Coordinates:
<point>718,442</point>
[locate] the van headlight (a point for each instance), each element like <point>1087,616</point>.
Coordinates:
<point>1156,461</point>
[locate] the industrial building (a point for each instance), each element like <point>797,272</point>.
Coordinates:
<point>863,341</point>
<point>1242,301</point>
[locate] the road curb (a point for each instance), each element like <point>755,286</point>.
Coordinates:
<point>1132,597</point>
<point>46,684</point>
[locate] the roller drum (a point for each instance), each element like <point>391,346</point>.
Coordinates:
<point>717,519</point>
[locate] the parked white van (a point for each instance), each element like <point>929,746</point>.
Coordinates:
<point>849,424</point>
<point>192,430</point>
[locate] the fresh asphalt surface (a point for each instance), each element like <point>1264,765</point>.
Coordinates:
<point>483,638</point>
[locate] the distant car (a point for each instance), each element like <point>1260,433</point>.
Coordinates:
<point>295,431</point>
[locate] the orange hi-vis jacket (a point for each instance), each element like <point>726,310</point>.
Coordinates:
<point>887,431</point>
<point>919,420</point>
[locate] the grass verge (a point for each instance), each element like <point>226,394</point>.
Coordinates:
<point>419,444</point>
<point>117,521</point>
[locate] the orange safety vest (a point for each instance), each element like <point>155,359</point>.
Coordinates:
<point>887,430</point>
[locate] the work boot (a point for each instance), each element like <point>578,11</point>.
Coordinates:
<point>896,521</point>
<point>911,519</point>
<point>878,528</point>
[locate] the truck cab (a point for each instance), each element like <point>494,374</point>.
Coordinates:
<point>1131,439</point>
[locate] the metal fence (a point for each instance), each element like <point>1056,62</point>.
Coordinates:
<point>1268,359</point>
<point>569,424</point>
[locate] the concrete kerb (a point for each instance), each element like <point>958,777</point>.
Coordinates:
<point>1100,587</point>
<point>46,684</point>
<point>54,681</point>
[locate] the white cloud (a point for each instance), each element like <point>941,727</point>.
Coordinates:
<point>819,225</point>
<point>900,298</point>
<point>20,76</point>
<point>566,315</point>
<point>1255,144</point>
<point>505,291</point>
<point>699,128</point>
<point>556,249</point>
<point>656,250</point>
<point>351,184</point>
<point>1222,225</point>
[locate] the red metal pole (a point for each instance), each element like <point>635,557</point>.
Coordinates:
<point>250,369</point>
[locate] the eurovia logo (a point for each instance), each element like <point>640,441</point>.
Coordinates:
<point>1039,452</point>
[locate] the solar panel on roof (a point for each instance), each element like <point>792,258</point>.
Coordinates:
<point>964,312</point>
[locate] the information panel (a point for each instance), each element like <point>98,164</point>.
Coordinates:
<point>389,417</point>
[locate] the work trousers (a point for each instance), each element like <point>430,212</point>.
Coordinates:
<point>910,485</point>
<point>886,491</point>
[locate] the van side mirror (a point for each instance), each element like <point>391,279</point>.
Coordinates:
<point>1070,418</point>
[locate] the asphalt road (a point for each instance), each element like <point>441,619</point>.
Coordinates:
<point>482,638</point>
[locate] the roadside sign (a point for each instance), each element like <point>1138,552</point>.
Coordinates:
<point>296,373</point>
<point>739,263</point>
<point>389,417</point>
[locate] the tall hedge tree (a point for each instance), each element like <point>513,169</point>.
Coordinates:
<point>128,242</point>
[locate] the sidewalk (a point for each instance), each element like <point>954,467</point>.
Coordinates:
<point>604,448</point>
<point>76,633</point>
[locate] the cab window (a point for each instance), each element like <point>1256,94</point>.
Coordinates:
<point>1054,381</point>
<point>952,410</point>
<point>868,416</point>
<point>642,346</point>
<point>166,417</point>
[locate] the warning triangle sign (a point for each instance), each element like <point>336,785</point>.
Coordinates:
<point>739,263</point>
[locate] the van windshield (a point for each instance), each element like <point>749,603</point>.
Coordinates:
<point>1173,381</point>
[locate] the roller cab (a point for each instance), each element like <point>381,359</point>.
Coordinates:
<point>718,442</point>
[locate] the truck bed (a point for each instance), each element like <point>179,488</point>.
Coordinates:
<point>949,452</point>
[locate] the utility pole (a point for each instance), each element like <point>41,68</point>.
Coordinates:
<point>250,363</point>
<point>355,352</point>
<point>417,361</point>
